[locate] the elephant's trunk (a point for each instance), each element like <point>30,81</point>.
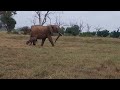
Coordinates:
<point>58,37</point>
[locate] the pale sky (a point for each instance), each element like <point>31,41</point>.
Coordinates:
<point>107,19</point>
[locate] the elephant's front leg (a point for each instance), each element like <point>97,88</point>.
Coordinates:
<point>43,40</point>
<point>50,39</point>
<point>34,42</point>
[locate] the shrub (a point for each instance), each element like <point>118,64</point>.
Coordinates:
<point>26,30</point>
<point>15,32</point>
<point>103,33</point>
<point>87,34</point>
<point>62,30</point>
<point>73,30</point>
<point>115,34</point>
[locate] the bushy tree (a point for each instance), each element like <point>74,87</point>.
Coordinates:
<point>7,19</point>
<point>73,30</point>
<point>68,30</point>
<point>62,30</point>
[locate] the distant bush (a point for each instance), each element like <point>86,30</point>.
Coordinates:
<point>103,33</point>
<point>115,34</point>
<point>67,34</point>
<point>26,30</point>
<point>62,30</point>
<point>87,34</point>
<point>15,32</point>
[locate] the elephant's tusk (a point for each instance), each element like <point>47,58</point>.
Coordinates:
<point>60,34</point>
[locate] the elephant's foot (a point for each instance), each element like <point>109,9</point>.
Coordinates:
<point>53,45</point>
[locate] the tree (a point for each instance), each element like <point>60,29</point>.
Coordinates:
<point>62,30</point>
<point>33,21</point>
<point>58,20</point>
<point>103,33</point>
<point>11,12</point>
<point>81,27</point>
<point>68,30</point>
<point>7,19</point>
<point>42,18</point>
<point>115,34</point>
<point>73,30</point>
<point>98,29</point>
<point>88,27</point>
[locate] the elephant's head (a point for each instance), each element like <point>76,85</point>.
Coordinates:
<point>55,29</point>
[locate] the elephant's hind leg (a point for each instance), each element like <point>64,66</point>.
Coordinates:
<point>43,40</point>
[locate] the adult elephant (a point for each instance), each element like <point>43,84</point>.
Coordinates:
<point>43,32</point>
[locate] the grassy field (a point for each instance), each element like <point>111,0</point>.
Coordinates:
<point>71,58</point>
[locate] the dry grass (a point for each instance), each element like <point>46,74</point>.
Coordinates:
<point>71,58</point>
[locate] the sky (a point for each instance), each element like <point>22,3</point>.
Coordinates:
<point>109,20</point>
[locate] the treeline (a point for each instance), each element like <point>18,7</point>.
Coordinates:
<point>74,30</point>
<point>8,23</point>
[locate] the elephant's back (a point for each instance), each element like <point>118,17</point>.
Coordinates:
<point>38,31</point>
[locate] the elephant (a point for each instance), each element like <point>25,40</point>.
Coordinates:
<point>32,40</point>
<point>43,32</point>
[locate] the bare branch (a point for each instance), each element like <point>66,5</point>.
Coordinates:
<point>98,28</point>
<point>36,16</point>
<point>49,19</point>
<point>88,28</point>
<point>42,17</point>
<point>58,20</point>
<point>118,29</point>
<point>71,24</point>
<point>39,16</point>
<point>51,12</point>
<point>81,27</point>
<point>34,21</point>
<point>45,16</point>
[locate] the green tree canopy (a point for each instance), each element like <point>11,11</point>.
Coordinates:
<point>73,30</point>
<point>7,19</point>
<point>62,30</point>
